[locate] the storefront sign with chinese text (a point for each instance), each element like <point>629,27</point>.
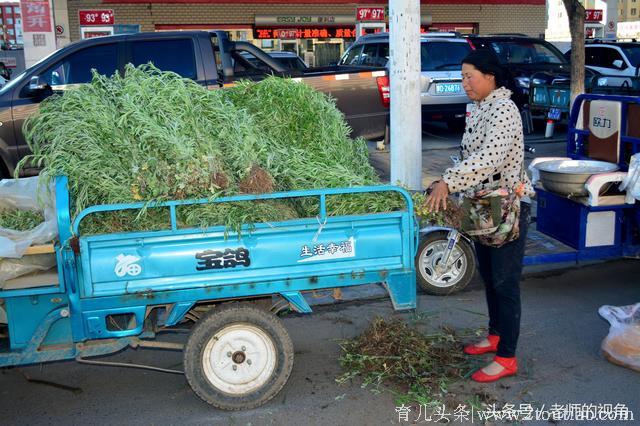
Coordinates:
<point>36,16</point>
<point>320,32</point>
<point>97,17</point>
<point>287,34</point>
<point>370,14</point>
<point>303,20</point>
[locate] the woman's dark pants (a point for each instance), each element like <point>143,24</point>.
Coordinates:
<point>501,269</point>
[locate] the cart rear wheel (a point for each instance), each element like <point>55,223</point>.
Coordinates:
<point>430,254</point>
<point>238,357</point>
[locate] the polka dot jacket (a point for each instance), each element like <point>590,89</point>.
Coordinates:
<point>492,150</point>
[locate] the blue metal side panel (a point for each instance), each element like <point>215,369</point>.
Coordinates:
<point>567,220</point>
<point>559,218</point>
<point>240,290</point>
<point>124,264</point>
<point>27,313</point>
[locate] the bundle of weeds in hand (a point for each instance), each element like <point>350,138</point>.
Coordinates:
<point>153,136</point>
<point>415,367</point>
<point>451,216</point>
<point>20,220</point>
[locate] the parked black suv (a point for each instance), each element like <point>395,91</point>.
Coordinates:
<point>527,58</point>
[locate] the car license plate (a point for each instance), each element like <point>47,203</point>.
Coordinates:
<point>446,88</point>
<point>554,114</point>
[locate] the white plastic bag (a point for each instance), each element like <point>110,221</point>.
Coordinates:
<point>622,344</point>
<point>631,183</point>
<point>26,194</point>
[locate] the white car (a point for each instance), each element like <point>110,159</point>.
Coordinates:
<point>611,58</point>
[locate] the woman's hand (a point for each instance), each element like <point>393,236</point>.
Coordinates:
<point>438,196</point>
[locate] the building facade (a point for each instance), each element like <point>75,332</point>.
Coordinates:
<point>627,21</point>
<point>11,22</point>
<point>316,30</point>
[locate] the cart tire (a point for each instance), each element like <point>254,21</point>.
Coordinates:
<point>253,341</point>
<point>430,252</point>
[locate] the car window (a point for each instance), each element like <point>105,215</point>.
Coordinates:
<point>369,55</point>
<point>352,56</point>
<point>76,68</point>
<point>633,54</point>
<point>383,55</point>
<point>294,63</point>
<point>442,56</point>
<point>614,55</point>
<point>602,56</point>
<point>593,56</point>
<point>181,60</point>
<point>525,52</point>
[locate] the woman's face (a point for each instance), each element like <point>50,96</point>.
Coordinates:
<point>477,85</point>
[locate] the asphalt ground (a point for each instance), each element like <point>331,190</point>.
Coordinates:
<point>559,357</point>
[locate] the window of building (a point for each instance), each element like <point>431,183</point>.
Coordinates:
<point>633,10</point>
<point>9,21</point>
<point>181,61</point>
<point>10,31</point>
<point>76,68</point>
<point>16,10</point>
<point>8,9</point>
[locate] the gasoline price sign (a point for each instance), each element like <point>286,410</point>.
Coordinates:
<point>370,14</point>
<point>96,17</point>
<point>593,15</point>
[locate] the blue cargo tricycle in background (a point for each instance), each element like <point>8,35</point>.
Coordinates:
<point>117,290</point>
<point>581,216</point>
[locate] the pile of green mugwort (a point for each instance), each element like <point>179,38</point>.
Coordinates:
<point>152,136</point>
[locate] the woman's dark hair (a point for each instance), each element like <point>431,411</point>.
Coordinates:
<point>487,62</point>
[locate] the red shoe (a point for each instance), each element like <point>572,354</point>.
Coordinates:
<point>509,365</point>
<point>479,350</point>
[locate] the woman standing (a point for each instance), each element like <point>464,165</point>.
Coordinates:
<point>492,156</point>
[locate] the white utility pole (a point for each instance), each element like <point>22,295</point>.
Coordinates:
<point>404,73</point>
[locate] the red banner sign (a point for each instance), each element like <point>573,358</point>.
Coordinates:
<point>287,34</point>
<point>370,14</point>
<point>316,32</point>
<point>36,16</point>
<point>593,15</point>
<point>97,17</point>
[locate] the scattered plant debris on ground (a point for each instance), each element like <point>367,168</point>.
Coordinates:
<point>393,356</point>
